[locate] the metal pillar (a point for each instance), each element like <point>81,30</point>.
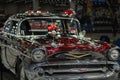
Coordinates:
<point>72,4</point>
<point>35,4</point>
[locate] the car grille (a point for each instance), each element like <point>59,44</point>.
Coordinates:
<point>73,70</point>
<point>78,67</point>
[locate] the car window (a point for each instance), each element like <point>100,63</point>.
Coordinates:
<point>40,26</point>
<point>11,27</point>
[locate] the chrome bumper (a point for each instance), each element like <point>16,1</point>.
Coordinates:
<point>35,72</point>
<point>106,76</point>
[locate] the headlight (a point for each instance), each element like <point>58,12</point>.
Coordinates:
<point>113,55</point>
<point>38,55</point>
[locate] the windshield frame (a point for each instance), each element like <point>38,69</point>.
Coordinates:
<point>55,17</point>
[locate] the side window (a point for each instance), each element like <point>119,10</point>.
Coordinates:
<point>11,27</point>
<point>25,28</point>
<point>7,27</point>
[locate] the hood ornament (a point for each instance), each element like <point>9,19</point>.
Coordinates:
<point>77,54</point>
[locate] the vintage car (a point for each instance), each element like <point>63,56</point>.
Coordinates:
<point>38,45</point>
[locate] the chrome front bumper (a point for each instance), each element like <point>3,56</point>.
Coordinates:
<point>35,72</point>
<point>106,76</point>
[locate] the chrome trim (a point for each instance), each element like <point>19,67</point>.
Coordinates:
<point>77,62</point>
<point>71,73</point>
<point>88,76</point>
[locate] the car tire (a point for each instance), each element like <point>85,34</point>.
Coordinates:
<point>6,59</point>
<point>117,76</point>
<point>20,71</point>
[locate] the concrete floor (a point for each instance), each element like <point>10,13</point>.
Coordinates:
<point>6,74</point>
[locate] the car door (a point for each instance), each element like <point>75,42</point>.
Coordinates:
<point>9,53</point>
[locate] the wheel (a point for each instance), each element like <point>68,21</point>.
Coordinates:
<point>117,77</point>
<point>8,57</point>
<point>20,70</point>
<point>21,74</point>
<point>1,65</point>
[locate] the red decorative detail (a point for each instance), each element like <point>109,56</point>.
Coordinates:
<point>69,12</point>
<point>73,30</point>
<point>69,44</point>
<point>38,12</point>
<point>52,27</point>
<point>26,44</point>
<point>29,12</point>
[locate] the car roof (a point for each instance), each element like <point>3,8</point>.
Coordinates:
<point>21,16</point>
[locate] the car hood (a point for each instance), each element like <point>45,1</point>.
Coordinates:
<point>74,55</point>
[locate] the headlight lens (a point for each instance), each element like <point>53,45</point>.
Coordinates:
<point>38,55</point>
<point>114,55</point>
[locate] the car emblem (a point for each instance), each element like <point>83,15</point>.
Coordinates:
<point>78,54</point>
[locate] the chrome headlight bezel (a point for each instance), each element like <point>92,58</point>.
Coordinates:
<point>114,54</point>
<point>38,55</point>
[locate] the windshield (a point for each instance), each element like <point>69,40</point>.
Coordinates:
<point>40,26</point>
